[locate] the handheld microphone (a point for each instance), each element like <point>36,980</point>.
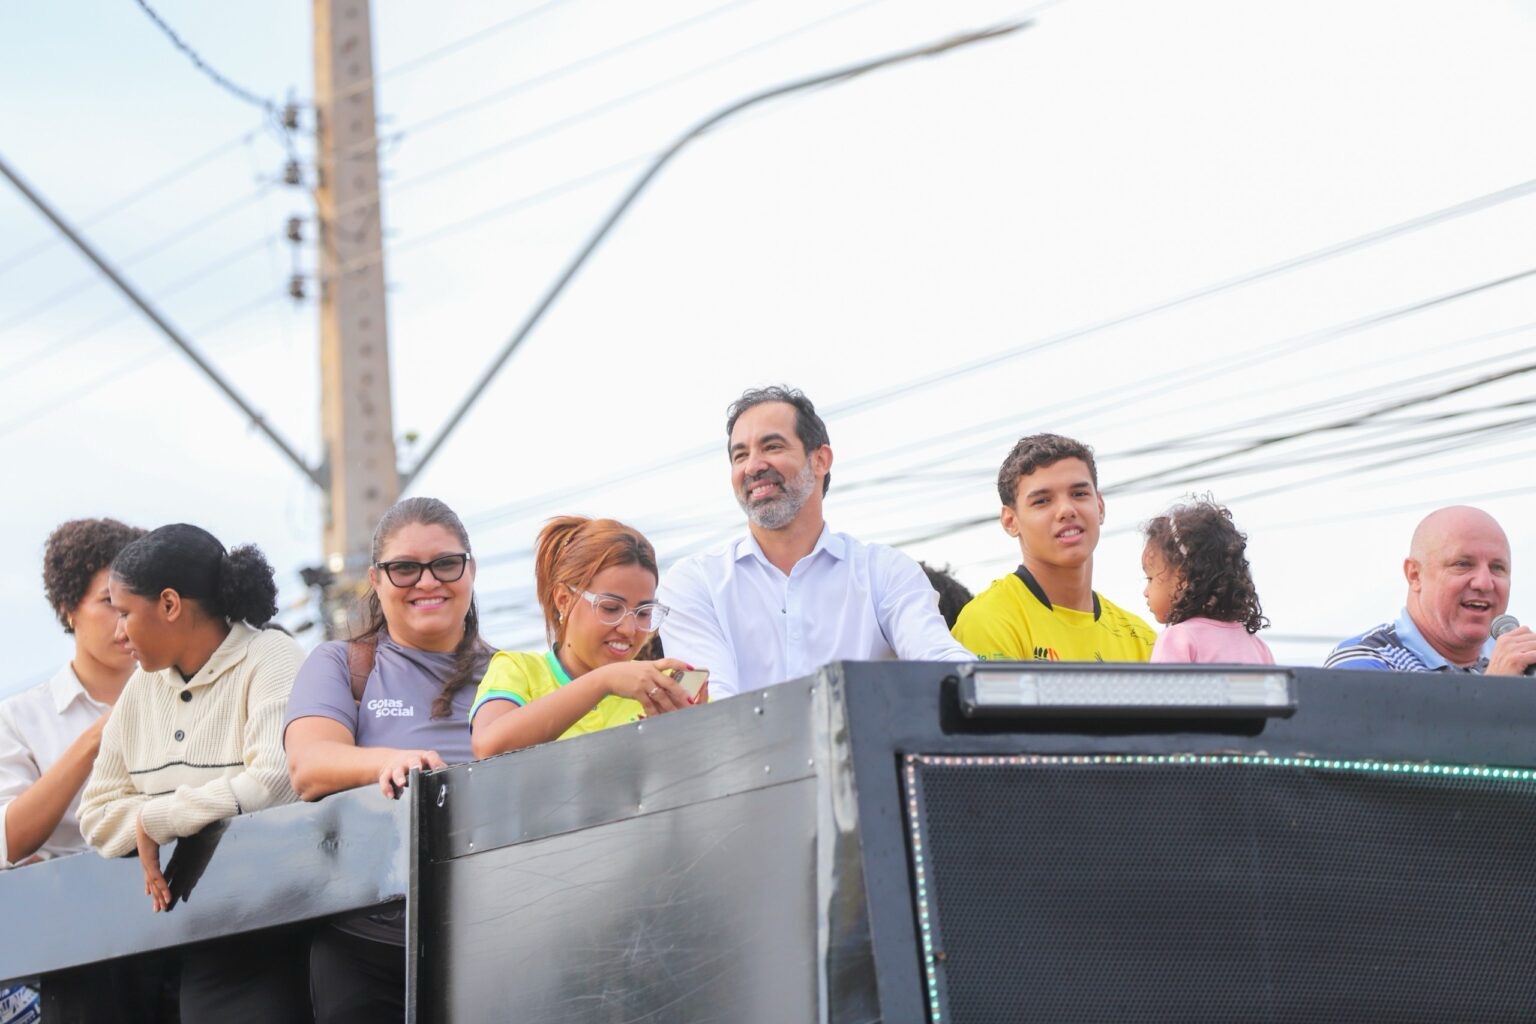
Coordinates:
<point>1503,624</point>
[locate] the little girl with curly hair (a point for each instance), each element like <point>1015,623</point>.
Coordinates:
<point>1200,586</point>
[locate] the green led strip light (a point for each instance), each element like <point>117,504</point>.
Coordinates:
<point>930,972</point>
<point>1261,760</point>
<point>919,862</point>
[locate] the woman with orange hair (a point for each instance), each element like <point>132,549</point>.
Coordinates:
<point>596,581</point>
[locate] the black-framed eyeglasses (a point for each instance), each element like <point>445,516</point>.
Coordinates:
<point>444,568</point>
<point>610,611</point>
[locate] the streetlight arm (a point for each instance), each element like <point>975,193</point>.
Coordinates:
<point>825,78</point>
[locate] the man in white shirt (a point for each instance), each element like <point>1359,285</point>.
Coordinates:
<point>49,734</point>
<point>792,595</point>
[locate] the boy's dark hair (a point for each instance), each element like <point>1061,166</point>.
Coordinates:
<point>74,554</point>
<point>953,594</point>
<point>237,585</point>
<point>1199,541</point>
<point>808,426</point>
<point>1035,451</point>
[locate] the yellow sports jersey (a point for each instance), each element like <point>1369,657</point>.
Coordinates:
<point>523,676</point>
<point>1013,620</point>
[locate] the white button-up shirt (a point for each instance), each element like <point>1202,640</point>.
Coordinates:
<point>735,614</point>
<point>36,727</point>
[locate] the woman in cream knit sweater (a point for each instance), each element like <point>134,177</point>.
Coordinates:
<point>196,737</point>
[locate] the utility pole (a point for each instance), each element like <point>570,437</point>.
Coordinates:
<point>356,422</point>
<point>360,477</point>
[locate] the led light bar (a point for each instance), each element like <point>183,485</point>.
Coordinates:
<point>1125,691</point>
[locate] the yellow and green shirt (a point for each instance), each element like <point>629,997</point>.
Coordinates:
<point>1013,620</point>
<point>523,676</point>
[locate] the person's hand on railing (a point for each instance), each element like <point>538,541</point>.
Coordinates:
<point>395,774</point>
<point>155,886</point>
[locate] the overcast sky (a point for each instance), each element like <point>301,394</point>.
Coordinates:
<point>945,256</point>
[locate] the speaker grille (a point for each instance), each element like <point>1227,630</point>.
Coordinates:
<point>1189,888</point>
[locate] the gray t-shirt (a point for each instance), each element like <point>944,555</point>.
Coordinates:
<point>396,711</point>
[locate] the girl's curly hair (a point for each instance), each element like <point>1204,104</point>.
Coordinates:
<point>1199,541</point>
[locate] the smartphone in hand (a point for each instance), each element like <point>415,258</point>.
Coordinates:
<point>691,680</point>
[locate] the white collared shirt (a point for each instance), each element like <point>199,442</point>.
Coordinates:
<point>735,614</point>
<point>36,727</point>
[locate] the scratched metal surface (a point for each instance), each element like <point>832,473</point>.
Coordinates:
<point>703,913</point>
<point>671,761</point>
<point>282,865</point>
<point>699,867</point>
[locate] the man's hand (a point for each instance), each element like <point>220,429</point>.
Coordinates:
<point>1513,652</point>
<point>155,886</point>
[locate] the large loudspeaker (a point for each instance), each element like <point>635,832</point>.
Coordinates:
<point>1178,888</point>
<point>1370,857</point>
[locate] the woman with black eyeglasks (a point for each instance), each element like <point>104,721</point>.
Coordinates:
<point>596,582</point>
<point>368,710</point>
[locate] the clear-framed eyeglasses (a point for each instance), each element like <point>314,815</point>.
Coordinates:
<point>404,572</point>
<point>610,611</point>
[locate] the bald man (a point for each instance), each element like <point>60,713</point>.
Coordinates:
<point>1458,583</point>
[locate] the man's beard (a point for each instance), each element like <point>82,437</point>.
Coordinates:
<point>779,511</point>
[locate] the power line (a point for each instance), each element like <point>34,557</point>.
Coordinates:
<point>461,43</point>
<point>554,74</point>
<point>118,372</point>
<point>483,217</point>
<point>489,215</point>
<point>1407,448</point>
<point>201,224</point>
<point>1083,407</point>
<point>607,106</point>
<point>825,79</point>
<point>874,398</point>
<point>945,528</point>
<point>1205,437</point>
<point>1121,396</point>
<point>54,348</point>
<point>202,65</point>
<point>138,256</point>
<point>125,202</point>
<point>1475,205</point>
<point>1461,466</point>
<point>1511,492</point>
<point>951,527</point>
<point>1458,440</point>
<point>1455,439</point>
<point>882,487</point>
<point>152,314</point>
<point>1341,424</point>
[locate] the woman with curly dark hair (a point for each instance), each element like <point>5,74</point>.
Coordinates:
<point>1200,586</point>
<point>49,734</point>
